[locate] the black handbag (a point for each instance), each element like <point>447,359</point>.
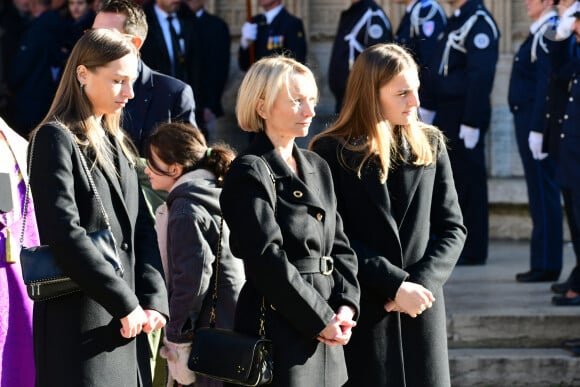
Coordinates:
<point>230,356</point>
<point>41,273</point>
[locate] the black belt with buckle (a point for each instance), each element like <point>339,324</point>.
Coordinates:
<point>313,265</point>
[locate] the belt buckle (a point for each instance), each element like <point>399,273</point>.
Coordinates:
<point>326,265</point>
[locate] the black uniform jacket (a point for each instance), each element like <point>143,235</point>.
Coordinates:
<point>275,233</point>
<point>77,339</point>
<point>471,70</point>
<point>413,230</point>
<point>284,35</point>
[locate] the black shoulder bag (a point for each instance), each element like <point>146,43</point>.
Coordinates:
<point>43,277</point>
<point>231,356</point>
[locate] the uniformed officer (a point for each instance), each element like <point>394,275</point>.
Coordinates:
<point>363,24</point>
<point>566,78</point>
<point>464,68</point>
<point>423,22</point>
<point>275,31</point>
<point>527,95</point>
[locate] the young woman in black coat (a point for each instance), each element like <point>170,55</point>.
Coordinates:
<point>395,192</point>
<point>279,203</point>
<point>90,338</point>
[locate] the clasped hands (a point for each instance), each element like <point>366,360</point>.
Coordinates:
<point>412,299</point>
<point>140,320</point>
<point>339,329</point>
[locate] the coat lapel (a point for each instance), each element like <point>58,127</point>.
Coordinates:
<point>114,181</point>
<point>297,190</point>
<point>380,197</point>
<point>411,178</point>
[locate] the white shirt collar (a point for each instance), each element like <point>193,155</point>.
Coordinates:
<point>541,20</point>
<point>161,14</point>
<point>271,14</point>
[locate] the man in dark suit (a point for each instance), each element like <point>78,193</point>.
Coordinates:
<point>274,31</point>
<point>210,59</point>
<point>158,97</point>
<point>166,50</point>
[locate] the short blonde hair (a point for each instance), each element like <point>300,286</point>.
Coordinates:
<point>263,81</point>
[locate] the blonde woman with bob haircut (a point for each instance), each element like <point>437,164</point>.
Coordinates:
<point>396,195</point>
<point>279,203</point>
<point>90,337</point>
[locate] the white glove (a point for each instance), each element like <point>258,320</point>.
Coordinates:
<point>469,135</point>
<point>177,355</point>
<point>249,34</point>
<point>564,29</point>
<point>535,140</point>
<point>427,116</point>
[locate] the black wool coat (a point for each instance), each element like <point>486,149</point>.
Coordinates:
<point>77,339</point>
<point>412,232</point>
<point>272,231</point>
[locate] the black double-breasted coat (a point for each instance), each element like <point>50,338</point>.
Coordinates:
<point>409,230</point>
<point>77,339</point>
<point>275,233</point>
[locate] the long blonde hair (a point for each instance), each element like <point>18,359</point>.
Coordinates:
<point>72,109</point>
<point>361,127</point>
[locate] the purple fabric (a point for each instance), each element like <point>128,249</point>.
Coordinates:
<point>16,347</point>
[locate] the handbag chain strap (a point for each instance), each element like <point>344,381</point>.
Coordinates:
<point>89,176</point>
<point>212,313</point>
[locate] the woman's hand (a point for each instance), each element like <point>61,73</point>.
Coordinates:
<point>339,329</point>
<point>412,299</point>
<point>155,321</point>
<point>132,324</point>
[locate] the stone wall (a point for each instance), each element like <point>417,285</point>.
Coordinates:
<point>320,19</point>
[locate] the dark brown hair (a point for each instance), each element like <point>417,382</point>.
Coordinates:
<point>184,144</point>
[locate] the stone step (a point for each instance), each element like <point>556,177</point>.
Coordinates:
<point>525,330</point>
<point>505,333</point>
<point>487,307</point>
<point>539,367</point>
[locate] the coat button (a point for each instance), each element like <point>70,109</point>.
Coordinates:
<point>516,107</point>
<point>565,116</point>
<point>571,99</point>
<point>562,135</point>
<point>297,194</point>
<point>319,216</point>
<point>547,115</point>
<point>124,246</point>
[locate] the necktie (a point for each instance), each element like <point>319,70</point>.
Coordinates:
<point>178,58</point>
